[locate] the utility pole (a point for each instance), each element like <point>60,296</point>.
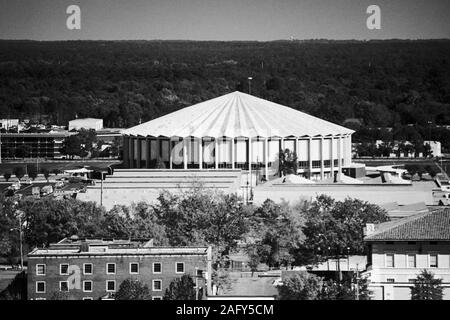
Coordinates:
<point>357,282</point>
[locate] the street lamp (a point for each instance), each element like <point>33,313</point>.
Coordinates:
<point>348,258</point>
<point>250,85</point>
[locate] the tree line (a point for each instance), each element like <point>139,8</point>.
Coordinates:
<point>375,83</point>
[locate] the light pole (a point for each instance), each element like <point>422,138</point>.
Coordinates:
<point>250,85</point>
<point>19,216</point>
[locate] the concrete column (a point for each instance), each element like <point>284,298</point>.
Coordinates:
<point>232,153</point>
<point>296,149</point>
<point>139,152</point>
<point>126,152</point>
<point>310,157</point>
<point>266,158</point>
<point>170,154</point>
<point>332,159</point>
<point>322,144</point>
<point>132,152</point>
<point>185,158</point>
<point>147,152</point>
<point>282,143</point>
<point>200,153</point>
<point>216,153</point>
<point>250,159</point>
<point>340,157</point>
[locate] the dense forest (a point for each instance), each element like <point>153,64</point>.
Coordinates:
<point>372,83</point>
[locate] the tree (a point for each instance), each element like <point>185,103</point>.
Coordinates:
<point>32,172</point>
<point>56,171</point>
<point>7,175</point>
<point>17,289</point>
<point>287,162</point>
<point>46,173</point>
<point>19,172</point>
<point>181,289</point>
<point>335,228</point>
<point>301,286</point>
<point>427,287</point>
<point>277,229</point>
<point>131,289</point>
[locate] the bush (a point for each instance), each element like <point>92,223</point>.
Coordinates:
<point>301,286</point>
<point>7,175</point>
<point>46,173</point>
<point>19,172</point>
<point>133,290</point>
<point>181,289</point>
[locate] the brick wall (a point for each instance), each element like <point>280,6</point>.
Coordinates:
<point>99,275</point>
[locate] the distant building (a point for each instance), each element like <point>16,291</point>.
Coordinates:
<point>239,131</point>
<point>86,123</point>
<point>435,148</point>
<point>94,269</point>
<point>42,145</point>
<point>9,123</point>
<point>399,250</point>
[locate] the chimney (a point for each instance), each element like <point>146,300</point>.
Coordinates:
<point>369,229</point>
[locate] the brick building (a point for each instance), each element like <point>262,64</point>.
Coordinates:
<point>401,249</point>
<point>94,269</point>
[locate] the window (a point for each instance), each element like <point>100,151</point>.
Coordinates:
<point>88,298</point>
<point>87,286</point>
<point>411,242</point>
<point>433,261</point>
<point>179,267</point>
<point>134,268</point>
<point>40,269</point>
<point>64,286</point>
<point>157,298</point>
<point>110,268</point>
<point>411,260</point>
<point>157,268</point>
<point>316,164</point>
<point>110,285</point>
<point>64,269</point>
<point>390,280</point>
<point>40,287</point>
<point>433,242</point>
<point>389,242</point>
<point>157,285</point>
<point>389,260</point>
<point>411,280</point>
<point>87,268</point>
<point>303,164</point>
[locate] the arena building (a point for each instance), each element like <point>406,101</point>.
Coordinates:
<point>238,131</point>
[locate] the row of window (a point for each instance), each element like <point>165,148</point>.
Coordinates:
<point>88,268</point>
<point>88,286</point>
<point>411,260</point>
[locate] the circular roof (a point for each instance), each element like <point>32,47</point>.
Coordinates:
<point>237,115</point>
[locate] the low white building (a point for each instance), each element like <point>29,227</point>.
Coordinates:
<point>435,148</point>
<point>8,123</point>
<point>86,123</point>
<point>400,250</point>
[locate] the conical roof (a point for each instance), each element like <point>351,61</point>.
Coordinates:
<point>237,115</point>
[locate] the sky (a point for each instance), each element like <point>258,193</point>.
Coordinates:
<point>262,20</point>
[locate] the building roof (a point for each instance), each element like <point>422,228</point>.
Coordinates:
<point>237,115</point>
<point>84,120</point>
<point>102,247</point>
<point>433,225</point>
